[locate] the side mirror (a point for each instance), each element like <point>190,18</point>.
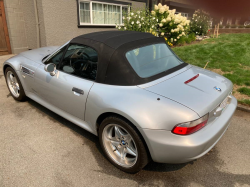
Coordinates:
<point>51,68</point>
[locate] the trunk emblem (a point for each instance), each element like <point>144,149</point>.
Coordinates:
<point>217,88</point>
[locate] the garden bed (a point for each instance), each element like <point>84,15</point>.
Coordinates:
<point>228,55</point>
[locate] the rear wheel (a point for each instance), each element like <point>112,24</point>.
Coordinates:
<point>122,145</point>
<point>14,85</point>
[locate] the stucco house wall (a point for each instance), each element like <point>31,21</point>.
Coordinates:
<point>58,22</point>
<point>16,25</point>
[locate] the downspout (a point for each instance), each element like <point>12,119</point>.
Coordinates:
<point>37,25</point>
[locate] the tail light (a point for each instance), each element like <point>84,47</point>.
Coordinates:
<point>190,127</point>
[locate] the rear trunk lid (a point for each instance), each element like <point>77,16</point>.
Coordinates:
<point>200,94</point>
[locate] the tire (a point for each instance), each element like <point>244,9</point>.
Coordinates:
<point>132,148</point>
<point>14,85</point>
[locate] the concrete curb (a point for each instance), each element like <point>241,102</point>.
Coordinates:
<point>243,108</point>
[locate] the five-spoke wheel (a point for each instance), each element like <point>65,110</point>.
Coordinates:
<point>14,84</point>
<point>122,144</point>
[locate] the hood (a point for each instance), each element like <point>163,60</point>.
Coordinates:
<point>200,94</point>
<point>37,55</point>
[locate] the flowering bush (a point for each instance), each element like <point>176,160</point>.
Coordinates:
<point>140,21</point>
<point>172,26</point>
<point>200,22</point>
<point>161,22</point>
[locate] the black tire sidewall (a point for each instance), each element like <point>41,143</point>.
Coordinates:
<point>142,158</point>
<point>22,95</point>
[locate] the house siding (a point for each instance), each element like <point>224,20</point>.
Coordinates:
<point>58,22</point>
<point>61,22</point>
<point>16,25</point>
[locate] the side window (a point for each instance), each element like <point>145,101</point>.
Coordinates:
<point>81,61</point>
<point>56,58</point>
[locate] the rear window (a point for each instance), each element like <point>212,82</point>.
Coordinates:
<point>152,59</point>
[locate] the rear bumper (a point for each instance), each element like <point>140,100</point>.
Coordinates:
<point>166,147</point>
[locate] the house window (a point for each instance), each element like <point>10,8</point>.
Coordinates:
<point>100,13</point>
<point>183,14</point>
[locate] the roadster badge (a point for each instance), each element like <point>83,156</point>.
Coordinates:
<point>217,88</point>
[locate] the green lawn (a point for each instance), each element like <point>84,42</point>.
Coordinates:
<point>228,55</point>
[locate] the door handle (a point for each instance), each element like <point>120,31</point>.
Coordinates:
<point>77,91</point>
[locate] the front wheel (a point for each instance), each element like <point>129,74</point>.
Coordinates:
<point>122,145</point>
<point>14,84</point>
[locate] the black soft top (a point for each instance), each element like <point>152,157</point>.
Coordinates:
<point>113,66</point>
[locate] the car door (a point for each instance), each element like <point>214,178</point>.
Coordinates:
<point>76,67</point>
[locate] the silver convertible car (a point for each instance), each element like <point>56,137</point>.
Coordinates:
<point>132,91</point>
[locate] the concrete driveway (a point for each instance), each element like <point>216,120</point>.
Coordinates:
<point>40,148</point>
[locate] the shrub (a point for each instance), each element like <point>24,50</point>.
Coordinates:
<point>182,40</point>
<point>240,26</point>
<point>192,37</point>
<point>200,22</point>
<point>160,22</point>
<point>227,26</point>
<point>248,26</point>
<point>233,26</point>
<point>220,26</point>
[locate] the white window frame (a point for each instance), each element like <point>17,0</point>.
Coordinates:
<point>183,13</point>
<point>90,10</point>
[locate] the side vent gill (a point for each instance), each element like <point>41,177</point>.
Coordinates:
<point>27,71</point>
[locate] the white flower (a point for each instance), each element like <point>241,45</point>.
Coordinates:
<point>175,40</point>
<point>159,5</point>
<point>153,12</point>
<point>173,11</point>
<point>196,32</point>
<point>123,17</point>
<point>163,21</point>
<point>200,26</point>
<point>137,22</point>
<point>119,27</point>
<point>178,37</point>
<point>129,18</point>
<point>162,10</point>
<point>152,26</point>
<point>166,8</point>
<point>142,18</point>
<point>139,25</point>
<point>132,14</point>
<point>168,19</point>
<point>125,28</point>
<point>171,39</point>
<point>156,7</point>
<point>172,30</point>
<point>153,18</point>
<point>162,33</point>
<point>196,20</point>
<point>160,24</point>
<point>132,23</point>
<point>157,20</point>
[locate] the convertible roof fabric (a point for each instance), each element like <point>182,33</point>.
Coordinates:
<point>111,46</point>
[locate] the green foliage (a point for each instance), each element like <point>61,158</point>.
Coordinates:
<point>192,37</point>
<point>240,26</point>
<point>248,26</point>
<point>200,22</point>
<point>245,101</point>
<point>244,90</point>
<point>227,26</point>
<point>233,26</point>
<point>220,26</point>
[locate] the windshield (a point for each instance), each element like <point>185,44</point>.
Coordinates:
<point>152,59</point>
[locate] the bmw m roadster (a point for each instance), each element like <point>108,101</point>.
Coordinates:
<point>132,91</point>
